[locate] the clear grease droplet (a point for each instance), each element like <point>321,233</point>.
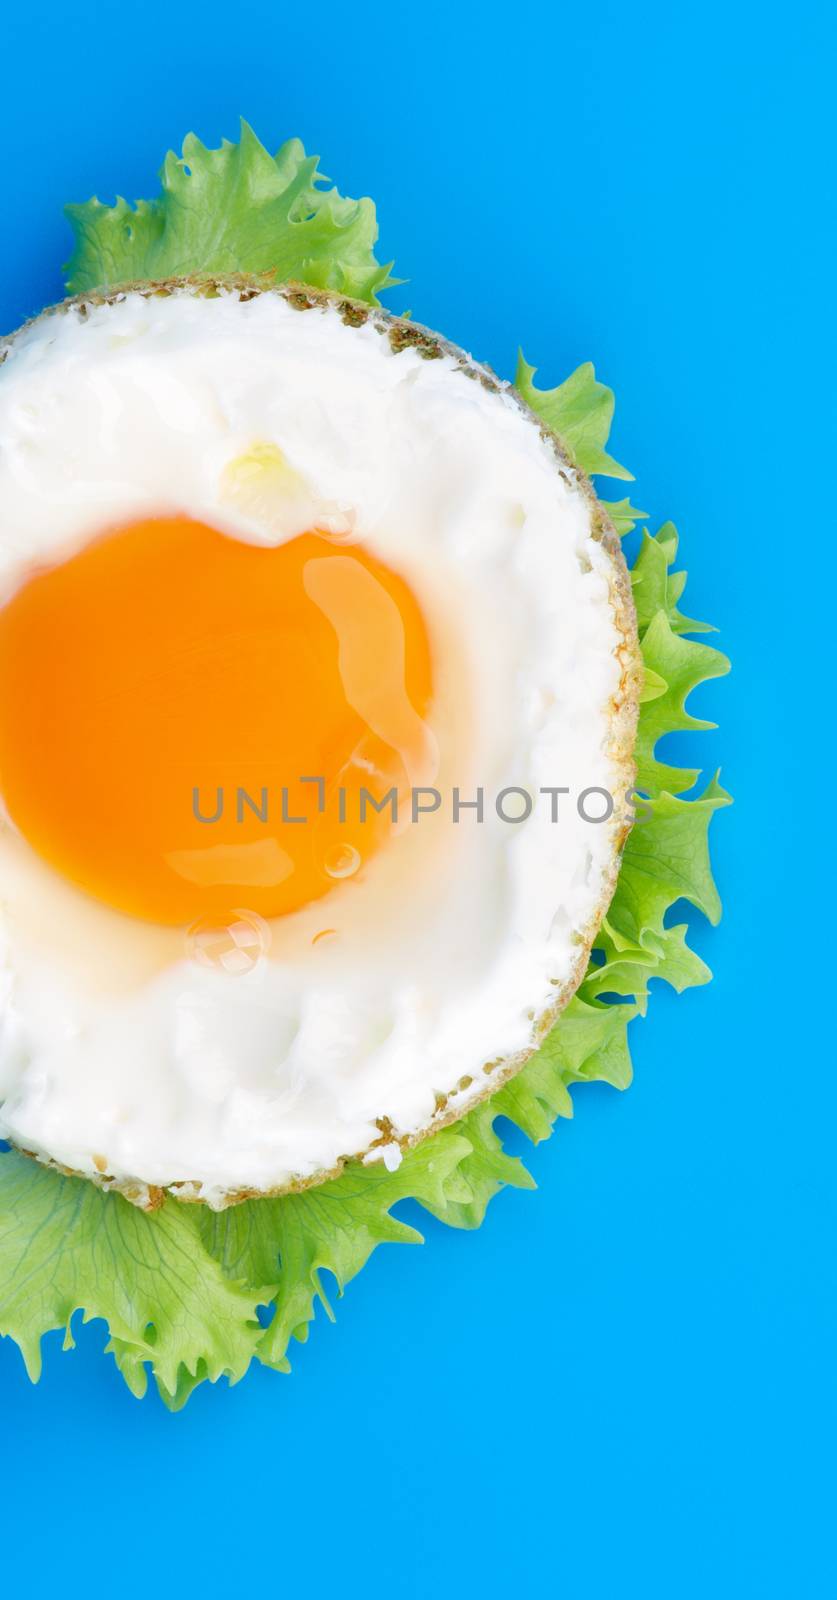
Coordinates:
<point>343,861</point>
<point>339,528</point>
<point>232,941</point>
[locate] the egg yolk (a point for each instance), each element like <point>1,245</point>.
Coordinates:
<point>190,723</point>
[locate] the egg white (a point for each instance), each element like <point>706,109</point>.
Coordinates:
<point>120,1055</point>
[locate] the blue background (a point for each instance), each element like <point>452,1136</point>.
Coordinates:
<point>624,1383</point>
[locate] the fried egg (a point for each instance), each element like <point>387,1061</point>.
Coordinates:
<point>318,677</point>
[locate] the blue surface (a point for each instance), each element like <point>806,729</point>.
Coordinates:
<point>623,1385</point>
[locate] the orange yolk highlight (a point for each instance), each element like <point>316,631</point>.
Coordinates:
<point>164,692</point>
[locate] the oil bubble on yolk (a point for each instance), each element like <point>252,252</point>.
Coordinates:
<point>343,861</point>
<point>233,943</point>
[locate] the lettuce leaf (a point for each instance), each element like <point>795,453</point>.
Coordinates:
<point>190,1296</point>
<point>581,410</point>
<point>235,209</point>
<point>67,1247</point>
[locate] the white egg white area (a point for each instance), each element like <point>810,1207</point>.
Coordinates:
<point>118,1053</point>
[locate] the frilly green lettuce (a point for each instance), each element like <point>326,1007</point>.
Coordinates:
<point>235,209</point>
<point>190,1295</point>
